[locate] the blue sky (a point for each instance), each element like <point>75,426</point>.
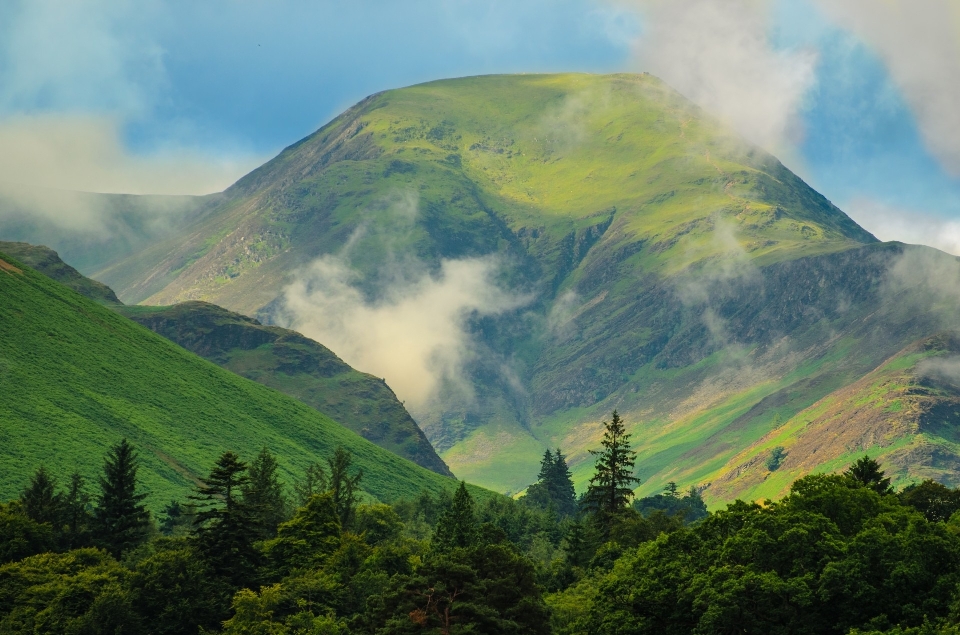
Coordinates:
<point>186,96</point>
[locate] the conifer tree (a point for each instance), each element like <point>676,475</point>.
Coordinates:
<point>41,501</point>
<point>121,520</point>
<point>225,527</point>
<point>264,494</point>
<point>554,486</point>
<point>867,472</point>
<point>457,526</point>
<point>76,518</point>
<point>314,481</point>
<point>610,488</point>
<point>344,486</point>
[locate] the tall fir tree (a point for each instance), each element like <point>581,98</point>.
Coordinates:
<point>41,501</point>
<point>121,521</point>
<point>457,527</point>
<point>867,472</point>
<point>344,486</point>
<point>554,487</point>
<point>225,526</point>
<point>314,481</point>
<point>76,518</point>
<point>264,494</point>
<point>610,488</point>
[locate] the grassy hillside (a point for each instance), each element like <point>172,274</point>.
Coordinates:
<point>297,366</point>
<point>48,262</point>
<point>75,377</point>
<point>674,271</point>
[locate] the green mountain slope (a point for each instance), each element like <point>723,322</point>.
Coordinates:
<point>76,377</point>
<point>297,366</point>
<point>670,269</point>
<point>275,357</point>
<point>48,262</point>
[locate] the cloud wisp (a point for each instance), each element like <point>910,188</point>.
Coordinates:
<point>720,56</point>
<point>920,45</point>
<point>415,332</point>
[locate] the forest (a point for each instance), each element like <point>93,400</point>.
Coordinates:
<point>247,553</point>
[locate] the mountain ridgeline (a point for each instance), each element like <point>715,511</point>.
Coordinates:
<point>659,265</point>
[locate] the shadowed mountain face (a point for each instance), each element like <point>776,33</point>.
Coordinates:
<point>564,245</point>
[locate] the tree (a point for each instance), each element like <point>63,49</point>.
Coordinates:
<point>121,520</point>
<point>610,487</point>
<point>867,473</point>
<point>934,500</point>
<point>225,527</point>
<point>307,539</point>
<point>41,501</point>
<point>264,494</point>
<point>343,485</point>
<point>76,518</point>
<point>554,487</point>
<point>314,481</point>
<point>457,526</point>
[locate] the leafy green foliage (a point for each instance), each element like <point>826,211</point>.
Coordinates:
<point>777,455</point>
<point>264,494</point>
<point>867,472</point>
<point>689,507</point>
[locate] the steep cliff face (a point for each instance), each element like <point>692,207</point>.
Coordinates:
<point>295,365</point>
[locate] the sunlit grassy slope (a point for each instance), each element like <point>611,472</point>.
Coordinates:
<point>676,272</point>
<point>75,377</point>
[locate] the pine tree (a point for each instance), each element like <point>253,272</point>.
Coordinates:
<point>867,472</point>
<point>225,527</point>
<point>344,486</point>
<point>314,481</point>
<point>121,521</point>
<point>610,488</point>
<point>264,494</point>
<point>561,486</point>
<point>41,501</point>
<point>76,518</point>
<point>554,487</point>
<point>457,526</point>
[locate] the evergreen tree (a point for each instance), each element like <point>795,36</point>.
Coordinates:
<point>867,472</point>
<point>121,520</point>
<point>41,501</point>
<point>458,525</point>
<point>225,527</point>
<point>610,487</point>
<point>76,518</point>
<point>343,485</point>
<point>264,494</point>
<point>554,486</point>
<point>314,481</point>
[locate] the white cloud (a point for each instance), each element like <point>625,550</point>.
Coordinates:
<point>719,55</point>
<point>413,333</point>
<point>920,43</point>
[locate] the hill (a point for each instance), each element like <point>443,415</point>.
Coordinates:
<point>638,256</point>
<point>48,262</point>
<point>297,366</point>
<point>275,357</point>
<point>75,377</point>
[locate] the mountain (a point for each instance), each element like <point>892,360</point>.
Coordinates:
<point>275,357</point>
<point>633,253</point>
<point>75,377</point>
<point>48,262</point>
<point>297,366</point>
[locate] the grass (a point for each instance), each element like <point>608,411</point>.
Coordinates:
<point>75,377</point>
